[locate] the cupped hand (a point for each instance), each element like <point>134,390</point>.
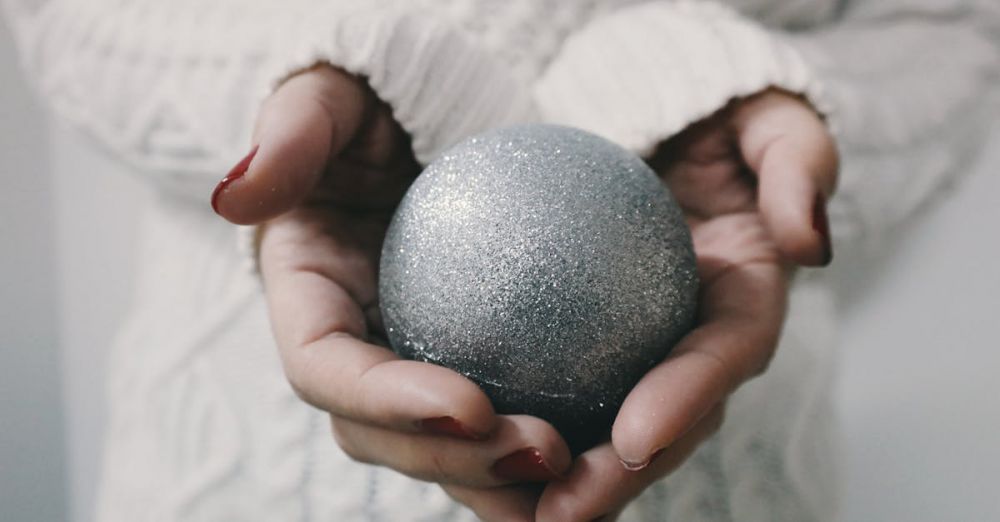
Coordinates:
<point>328,166</point>
<point>752,180</point>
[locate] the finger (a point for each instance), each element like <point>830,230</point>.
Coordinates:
<point>320,327</point>
<point>522,449</point>
<point>787,144</point>
<point>599,487</point>
<point>500,504</point>
<point>376,168</point>
<point>742,311</point>
<point>311,117</point>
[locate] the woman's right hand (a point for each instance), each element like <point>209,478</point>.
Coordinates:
<point>329,167</point>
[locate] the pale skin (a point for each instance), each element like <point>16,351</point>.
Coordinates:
<point>330,167</point>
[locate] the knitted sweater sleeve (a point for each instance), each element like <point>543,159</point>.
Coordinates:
<point>902,82</point>
<point>173,87</point>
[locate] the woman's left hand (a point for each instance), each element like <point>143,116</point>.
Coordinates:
<point>753,181</point>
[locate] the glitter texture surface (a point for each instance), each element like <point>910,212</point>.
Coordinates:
<point>548,265</point>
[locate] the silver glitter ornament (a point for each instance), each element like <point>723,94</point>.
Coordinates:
<point>548,265</point>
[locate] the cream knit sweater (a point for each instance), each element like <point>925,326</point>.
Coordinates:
<point>204,426</point>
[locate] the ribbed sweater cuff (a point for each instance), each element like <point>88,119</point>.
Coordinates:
<point>643,73</point>
<point>441,86</point>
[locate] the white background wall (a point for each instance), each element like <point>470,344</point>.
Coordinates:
<point>95,203</point>
<point>918,394</point>
<point>920,389</point>
<point>32,467</point>
<point>66,230</point>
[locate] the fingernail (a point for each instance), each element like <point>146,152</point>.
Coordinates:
<point>450,427</point>
<point>641,465</point>
<point>236,173</point>
<point>524,465</point>
<point>821,225</point>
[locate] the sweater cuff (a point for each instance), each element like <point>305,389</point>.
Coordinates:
<point>441,85</point>
<point>644,73</point>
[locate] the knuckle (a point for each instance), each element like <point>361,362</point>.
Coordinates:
<point>430,464</point>
<point>438,469</point>
<point>298,385</point>
<point>723,370</point>
<point>297,372</point>
<point>762,367</point>
<point>414,460</point>
<point>562,507</point>
<point>347,443</point>
<point>715,423</point>
<point>763,354</point>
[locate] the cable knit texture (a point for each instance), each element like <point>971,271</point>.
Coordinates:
<point>203,424</point>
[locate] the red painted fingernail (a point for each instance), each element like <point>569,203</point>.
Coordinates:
<point>236,173</point>
<point>524,465</point>
<point>449,426</point>
<point>821,225</point>
<point>639,466</point>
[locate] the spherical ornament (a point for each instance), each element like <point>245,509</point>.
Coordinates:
<point>548,265</point>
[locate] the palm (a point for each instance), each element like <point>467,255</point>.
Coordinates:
<point>738,260</point>
<point>340,246</point>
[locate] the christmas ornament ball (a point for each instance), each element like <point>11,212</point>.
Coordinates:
<point>548,265</point>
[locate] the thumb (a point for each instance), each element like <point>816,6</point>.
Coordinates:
<point>789,148</point>
<point>309,119</point>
